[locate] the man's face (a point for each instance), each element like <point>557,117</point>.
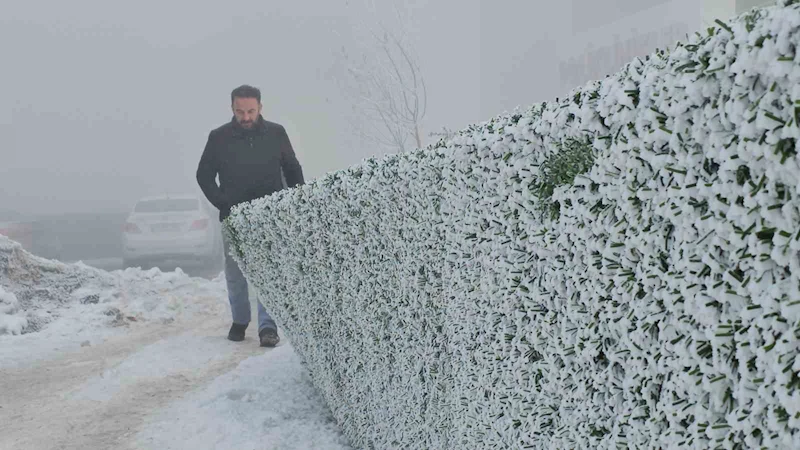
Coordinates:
<point>246,111</point>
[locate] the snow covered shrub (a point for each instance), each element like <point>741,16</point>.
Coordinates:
<point>573,158</point>
<point>616,269</point>
<point>351,266</point>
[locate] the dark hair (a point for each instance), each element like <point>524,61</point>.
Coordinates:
<point>246,91</point>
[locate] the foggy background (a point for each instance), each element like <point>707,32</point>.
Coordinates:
<point>103,102</point>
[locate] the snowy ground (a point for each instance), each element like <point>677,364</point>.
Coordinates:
<point>139,360</point>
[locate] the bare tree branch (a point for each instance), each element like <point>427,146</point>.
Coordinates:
<point>386,89</point>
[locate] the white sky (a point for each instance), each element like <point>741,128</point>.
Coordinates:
<point>102,102</point>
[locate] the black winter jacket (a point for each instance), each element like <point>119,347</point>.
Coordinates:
<point>249,164</point>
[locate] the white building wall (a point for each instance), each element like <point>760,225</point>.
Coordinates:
<point>746,5</point>
<point>530,53</point>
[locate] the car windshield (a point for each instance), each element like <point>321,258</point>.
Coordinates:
<point>167,205</point>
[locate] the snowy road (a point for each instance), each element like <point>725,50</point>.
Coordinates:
<point>140,360</point>
<point>118,395</point>
<point>70,401</point>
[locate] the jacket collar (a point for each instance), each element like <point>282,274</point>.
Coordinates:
<point>259,128</point>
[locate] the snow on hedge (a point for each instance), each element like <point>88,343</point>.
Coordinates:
<point>615,269</point>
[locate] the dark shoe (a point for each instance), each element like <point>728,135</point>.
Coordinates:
<point>269,337</point>
<point>237,332</point>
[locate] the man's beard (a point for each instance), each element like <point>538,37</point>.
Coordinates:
<point>246,124</point>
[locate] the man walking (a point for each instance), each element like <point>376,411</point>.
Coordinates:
<point>251,157</point>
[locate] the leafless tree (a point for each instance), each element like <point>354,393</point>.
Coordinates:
<point>445,133</point>
<point>384,84</point>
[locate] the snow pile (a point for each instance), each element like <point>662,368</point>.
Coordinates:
<point>11,322</point>
<point>615,269</point>
<point>37,294</point>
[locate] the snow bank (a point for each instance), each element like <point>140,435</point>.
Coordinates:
<point>37,294</point>
<point>11,322</point>
<point>615,269</point>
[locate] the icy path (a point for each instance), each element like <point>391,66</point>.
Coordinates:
<point>135,359</point>
<point>165,387</point>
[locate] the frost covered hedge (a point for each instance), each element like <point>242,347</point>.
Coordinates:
<point>615,269</point>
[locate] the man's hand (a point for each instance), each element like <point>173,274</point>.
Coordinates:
<point>225,210</point>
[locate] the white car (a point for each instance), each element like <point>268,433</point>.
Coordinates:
<point>181,228</point>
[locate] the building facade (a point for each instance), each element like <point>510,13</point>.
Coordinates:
<point>635,28</point>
